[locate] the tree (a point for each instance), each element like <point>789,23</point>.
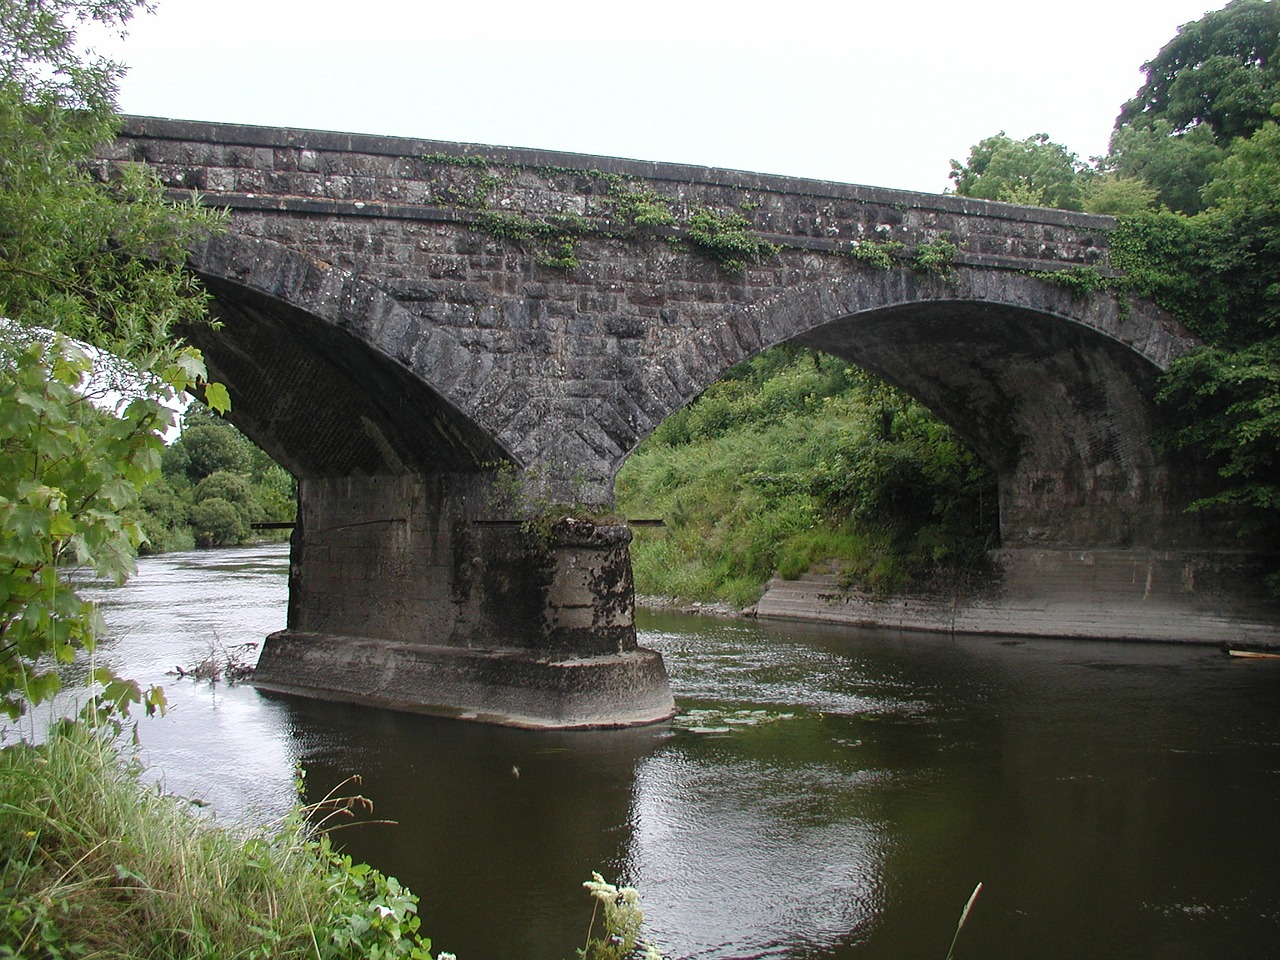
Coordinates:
<point>1035,171</point>
<point>1115,195</point>
<point>1230,405</point>
<point>87,269</point>
<point>1221,71</point>
<point>213,445</point>
<point>1217,81</point>
<point>1177,164</point>
<point>218,523</point>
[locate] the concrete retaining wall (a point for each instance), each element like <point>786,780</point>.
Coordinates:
<point>1165,596</point>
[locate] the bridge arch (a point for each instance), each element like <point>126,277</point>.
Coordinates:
<point>1052,388</point>
<point>328,373</point>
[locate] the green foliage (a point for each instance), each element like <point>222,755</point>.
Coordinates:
<point>623,922</point>
<point>936,257</point>
<point>275,492</point>
<point>62,492</point>
<point>1081,281</point>
<point>727,239</point>
<point>1035,171</point>
<point>161,514</point>
<point>1230,400</point>
<point>1215,271</point>
<point>1248,182</point>
<point>1114,195</point>
<point>228,486</point>
<point>216,522</point>
<point>640,207</point>
<point>449,160</point>
<point>789,464</point>
<point>101,263</point>
<point>94,863</point>
<point>1220,72</point>
<point>877,254</point>
<point>212,445</point>
<point>1176,164</point>
<point>1216,82</point>
<point>554,241</point>
<point>213,461</point>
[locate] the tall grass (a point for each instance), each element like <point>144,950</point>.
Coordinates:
<point>799,462</point>
<point>93,863</point>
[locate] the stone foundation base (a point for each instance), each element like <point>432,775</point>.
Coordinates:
<point>1165,596</point>
<point>508,687</point>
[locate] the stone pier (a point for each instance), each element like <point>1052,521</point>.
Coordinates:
<point>407,592</point>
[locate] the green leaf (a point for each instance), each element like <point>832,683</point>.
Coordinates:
<point>216,397</point>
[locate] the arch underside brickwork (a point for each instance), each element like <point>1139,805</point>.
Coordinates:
<point>301,348</point>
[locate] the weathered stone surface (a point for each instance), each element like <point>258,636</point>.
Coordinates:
<point>1154,595</point>
<point>408,592</point>
<point>361,262</point>
<point>507,687</point>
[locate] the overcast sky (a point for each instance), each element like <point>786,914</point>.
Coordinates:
<point>882,93</point>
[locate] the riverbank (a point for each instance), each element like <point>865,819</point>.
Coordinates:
<point>93,861</point>
<point>1160,596</point>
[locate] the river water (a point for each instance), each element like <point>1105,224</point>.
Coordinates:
<point>826,793</point>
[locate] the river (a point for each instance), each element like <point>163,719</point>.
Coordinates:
<point>826,793</point>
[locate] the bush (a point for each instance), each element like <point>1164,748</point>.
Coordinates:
<point>212,445</point>
<point>218,523</point>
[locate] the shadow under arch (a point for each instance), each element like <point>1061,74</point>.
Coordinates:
<point>1053,389</point>
<point>329,374</point>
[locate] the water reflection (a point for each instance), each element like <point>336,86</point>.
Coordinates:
<point>496,828</point>
<point>829,793</point>
<point>734,866</point>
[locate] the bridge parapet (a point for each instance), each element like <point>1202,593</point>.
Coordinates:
<point>324,174</point>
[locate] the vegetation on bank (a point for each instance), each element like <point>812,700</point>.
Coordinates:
<point>797,460</point>
<point>95,863</point>
<point>214,484</point>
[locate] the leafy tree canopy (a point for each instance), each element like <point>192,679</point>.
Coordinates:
<point>1035,171</point>
<point>1116,195</point>
<point>1221,71</point>
<point>1177,164</point>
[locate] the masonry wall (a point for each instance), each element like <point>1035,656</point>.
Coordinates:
<point>422,560</point>
<point>411,251</point>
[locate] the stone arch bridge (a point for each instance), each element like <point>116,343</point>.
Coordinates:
<point>434,336</point>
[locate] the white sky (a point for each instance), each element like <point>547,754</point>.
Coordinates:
<point>881,92</point>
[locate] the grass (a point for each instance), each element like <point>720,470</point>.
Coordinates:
<point>93,863</point>
<point>798,462</point>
